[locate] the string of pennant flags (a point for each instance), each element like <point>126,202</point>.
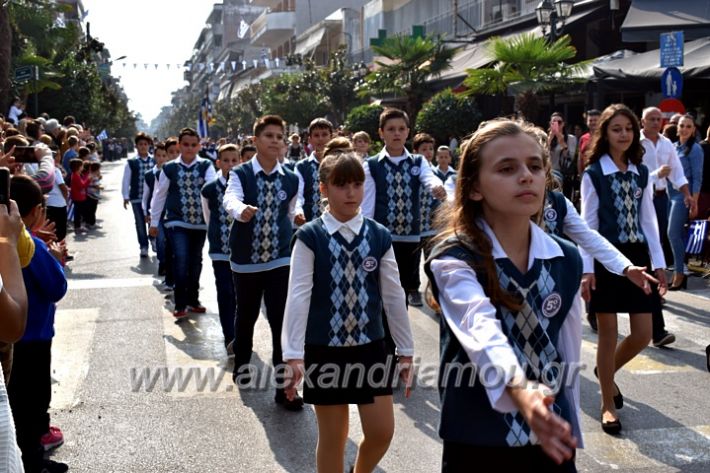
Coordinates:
<point>216,67</point>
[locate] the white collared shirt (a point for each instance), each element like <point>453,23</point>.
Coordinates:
<point>301,180</point>
<point>659,154</point>
<point>300,287</point>
<point>160,191</point>
<point>647,214</point>
<point>234,195</point>
<point>471,317</point>
<point>426,177</point>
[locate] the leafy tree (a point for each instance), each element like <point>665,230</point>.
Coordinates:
<point>411,62</point>
<point>525,66</point>
<point>5,59</point>
<point>296,99</point>
<point>364,118</point>
<point>448,114</point>
<point>340,81</point>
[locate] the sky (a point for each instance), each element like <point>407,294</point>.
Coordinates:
<point>148,31</point>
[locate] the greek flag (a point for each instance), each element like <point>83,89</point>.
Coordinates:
<point>102,136</point>
<point>203,121</point>
<point>697,235</point>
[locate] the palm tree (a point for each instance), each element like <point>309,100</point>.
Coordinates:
<point>525,66</point>
<point>410,63</point>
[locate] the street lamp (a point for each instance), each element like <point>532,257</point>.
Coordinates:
<point>548,15</point>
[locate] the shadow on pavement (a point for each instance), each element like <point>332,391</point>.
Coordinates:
<point>638,419</point>
<point>692,314</point>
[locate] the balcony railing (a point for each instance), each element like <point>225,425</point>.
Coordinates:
<point>273,28</point>
<point>480,14</point>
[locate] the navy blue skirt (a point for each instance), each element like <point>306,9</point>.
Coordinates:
<point>616,293</point>
<point>347,375</point>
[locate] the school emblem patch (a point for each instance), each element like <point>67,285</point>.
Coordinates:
<point>281,195</point>
<point>550,214</point>
<point>369,264</point>
<point>551,305</point>
<point>415,170</point>
<point>638,193</point>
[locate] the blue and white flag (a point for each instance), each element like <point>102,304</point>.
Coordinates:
<point>203,121</point>
<point>697,237</point>
<point>102,136</point>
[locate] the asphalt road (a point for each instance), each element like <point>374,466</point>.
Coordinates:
<point>114,326</point>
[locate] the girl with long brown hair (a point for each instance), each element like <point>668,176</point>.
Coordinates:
<point>617,200</point>
<point>511,313</point>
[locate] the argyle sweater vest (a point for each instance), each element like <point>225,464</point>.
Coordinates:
<point>554,213</point>
<point>220,221</point>
<point>443,175</point>
<point>346,306</point>
<point>183,206</point>
<point>620,197</point>
<point>397,200</point>
<point>547,292</point>
<point>263,243</point>
<point>138,169</point>
<point>311,191</point>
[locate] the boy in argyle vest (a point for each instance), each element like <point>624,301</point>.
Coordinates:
<point>319,133</point>
<point>218,226</point>
<point>178,192</point>
<point>132,188</point>
<point>261,197</point>
<point>393,179</point>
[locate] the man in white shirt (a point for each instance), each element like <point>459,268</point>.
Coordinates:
<point>664,166</point>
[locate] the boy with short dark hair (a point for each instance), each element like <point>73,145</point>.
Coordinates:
<point>320,132</point>
<point>262,197</point>
<point>178,193</point>
<point>132,189</point>
<point>423,144</point>
<point>218,226</point>
<point>30,386</point>
<point>393,179</point>
<point>246,153</point>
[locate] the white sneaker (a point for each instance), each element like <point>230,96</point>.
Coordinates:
<point>144,252</point>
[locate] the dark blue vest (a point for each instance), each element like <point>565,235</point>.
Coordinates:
<point>263,243</point>
<point>149,178</point>
<point>220,221</point>
<point>547,290</point>
<point>311,192</point>
<point>183,207</point>
<point>138,169</point>
<point>619,203</point>
<point>341,269</point>
<point>554,213</point>
<point>441,175</point>
<point>397,195</point>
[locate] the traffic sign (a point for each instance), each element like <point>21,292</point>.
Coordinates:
<point>672,83</point>
<point>672,49</point>
<point>670,106</point>
<point>24,73</point>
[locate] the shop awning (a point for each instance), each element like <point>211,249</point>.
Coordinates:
<point>307,43</point>
<point>646,66</point>
<point>477,55</point>
<point>647,19</point>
